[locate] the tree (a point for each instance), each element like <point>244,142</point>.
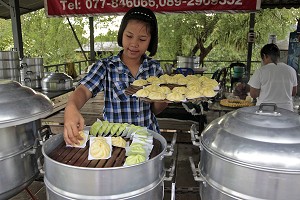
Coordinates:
<point>219,35</point>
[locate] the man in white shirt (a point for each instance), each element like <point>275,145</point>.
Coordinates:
<point>274,82</point>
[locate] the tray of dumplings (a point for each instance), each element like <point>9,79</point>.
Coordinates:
<point>107,144</point>
<point>177,88</point>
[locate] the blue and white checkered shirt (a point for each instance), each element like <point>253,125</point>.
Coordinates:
<point>112,76</point>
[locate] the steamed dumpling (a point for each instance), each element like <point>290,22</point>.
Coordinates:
<point>208,92</point>
<point>108,128</point>
<point>153,88</point>
<point>191,94</point>
<point>133,150</point>
<point>142,93</point>
<point>140,82</point>
<point>81,142</point>
<point>135,159</point>
<point>165,90</point>
<point>175,96</point>
<point>118,142</point>
<point>156,96</point>
<point>95,127</point>
<point>152,79</point>
<point>103,127</point>
<point>100,149</point>
<point>181,90</point>
<point>122,128</point>
<point>115,128</point>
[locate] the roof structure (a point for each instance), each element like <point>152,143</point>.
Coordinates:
<point>33,5</point>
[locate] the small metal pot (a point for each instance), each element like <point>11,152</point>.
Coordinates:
<point>57,81</point>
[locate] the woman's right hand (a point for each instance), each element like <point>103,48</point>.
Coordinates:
<point>73,123</point>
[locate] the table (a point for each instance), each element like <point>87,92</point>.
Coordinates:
<point>216,107</point>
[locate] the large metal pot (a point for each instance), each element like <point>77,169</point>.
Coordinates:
<point>57,81</point>
<point>251,153</point>
<point>21,108</point>
<point>140,182</point>
<point>9,65</point>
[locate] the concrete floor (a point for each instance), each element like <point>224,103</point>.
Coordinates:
<point>186,186</point>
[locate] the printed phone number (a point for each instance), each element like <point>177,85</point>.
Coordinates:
<point>96,4</point>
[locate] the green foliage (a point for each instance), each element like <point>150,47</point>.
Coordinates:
<point>6,42</point>
<point>51,38</point>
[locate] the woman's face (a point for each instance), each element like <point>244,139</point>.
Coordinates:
<point>136,39</point>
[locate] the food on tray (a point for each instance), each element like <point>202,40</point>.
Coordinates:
<point>208,92</point>
<point>118,142</point>
<point>182,81</point>
<point>95,127</point>
<point>142,93</point>
<point>100,148</point>
<point>194,87</point>
<point>235,103</point>
<point>172,80</point>
<point>164,78</point>
<point>156,96</point>
<point>134,150</point>
<point>178,76</point>
<point>140,82</point>
<point>82,141</point>
<point>107,130</point>
<point>122,128</point>
<point>103,127</point>
<point>153,88</point>
<point>134,159</point>
<point>193,94</point>
<point>114,129</point>
<point>175,96</point>
<point>152,79</point>
<point>165,89</point>
<point>181,90</point>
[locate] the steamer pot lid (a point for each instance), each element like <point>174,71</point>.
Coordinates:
<point>267,138</point>
<point>20,104</point>
<point>56,77</point>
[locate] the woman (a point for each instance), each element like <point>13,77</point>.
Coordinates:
<point>137,34</point>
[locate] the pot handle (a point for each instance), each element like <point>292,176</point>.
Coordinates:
<point>171,171</point>
<point>260,110</point>
<point>194,135</point>
<point>170,147</point>
<point>44,134</point>
<point>196,171</point>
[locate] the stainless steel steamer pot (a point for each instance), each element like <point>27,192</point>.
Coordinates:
<point>9,65</point>
<point>250,153</point>
<point>21,108</point>
<point>138,182</point>
<point>57,81</point>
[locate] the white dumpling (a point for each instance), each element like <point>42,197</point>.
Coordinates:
<point>175,96</point>
<point>140,82</point>
<point>156,96</point>
<point>142,93</point>
<point>191,94</point>
<point>118,142</point>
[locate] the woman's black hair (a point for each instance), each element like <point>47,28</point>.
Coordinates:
<point>147,16</point>
<point>271,50</point>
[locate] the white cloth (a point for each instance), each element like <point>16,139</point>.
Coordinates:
<point>276,83</point>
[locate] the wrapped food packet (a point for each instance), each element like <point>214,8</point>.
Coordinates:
<point>148,140</point>
<point>82,143</point>
<point>134,159</point>
<point>100,148</point>
<point>139,148</point>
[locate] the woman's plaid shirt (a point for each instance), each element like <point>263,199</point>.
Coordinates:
<point>113,77</point>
